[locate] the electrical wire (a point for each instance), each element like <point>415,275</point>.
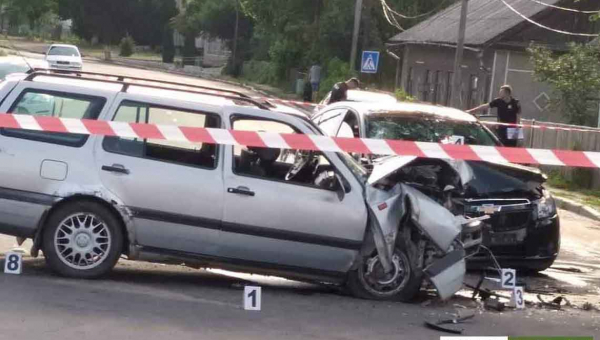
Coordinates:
<point>390,18</point>
<point>440,5</point>
<point>564,8</point>
<point>546,27</point>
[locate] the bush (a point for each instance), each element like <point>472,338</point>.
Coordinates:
<point>262,72</point>
<point>127,46</point>
<point>402,96</point>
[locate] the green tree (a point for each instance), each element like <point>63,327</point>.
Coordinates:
<point>111,20</point>
<point>574,75</point>
<point>31,10</point>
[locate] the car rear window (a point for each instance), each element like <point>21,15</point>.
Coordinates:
<point>63,51</point>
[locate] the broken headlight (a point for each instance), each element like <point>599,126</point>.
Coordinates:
<point>546,207</point>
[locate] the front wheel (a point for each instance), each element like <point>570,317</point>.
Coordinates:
<point>368,280</point>
<point>82,240</point>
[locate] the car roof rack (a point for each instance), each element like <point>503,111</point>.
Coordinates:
<point>160,84</point>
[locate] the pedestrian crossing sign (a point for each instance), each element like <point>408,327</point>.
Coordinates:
<point>369,62</point>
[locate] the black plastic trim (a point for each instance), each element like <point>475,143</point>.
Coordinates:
<point>244,229</point>
<point>27,196</point>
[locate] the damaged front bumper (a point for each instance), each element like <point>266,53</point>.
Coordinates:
<point>454,237</point>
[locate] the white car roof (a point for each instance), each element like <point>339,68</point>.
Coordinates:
<point>64,45</point>
<point>370,96</point>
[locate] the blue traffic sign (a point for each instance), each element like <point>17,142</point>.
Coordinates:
<point>369,62</point>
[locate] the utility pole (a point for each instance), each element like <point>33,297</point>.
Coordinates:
<point>357,14</point>
<point>457,79</point>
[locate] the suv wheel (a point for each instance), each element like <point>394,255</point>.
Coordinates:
<point>368,281</point>
<point>82,240</point>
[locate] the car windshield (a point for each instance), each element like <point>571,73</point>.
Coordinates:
<point>428,128</point>
<point>63,51</point>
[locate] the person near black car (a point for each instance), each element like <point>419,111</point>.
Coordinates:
<point>339,92</point>
<point>509,111</point>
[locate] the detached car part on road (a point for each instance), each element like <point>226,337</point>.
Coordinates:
<point>523,230</point>
<point>86,200</point>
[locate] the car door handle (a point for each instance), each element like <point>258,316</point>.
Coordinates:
<point>241,191</point>
<point>118,168</point>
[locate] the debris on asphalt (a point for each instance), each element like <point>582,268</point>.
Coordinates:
<point>587,306</point>
<point>567,269</point>
<point>441,325</point>
<point>556,303</point>
<point>494,304</point>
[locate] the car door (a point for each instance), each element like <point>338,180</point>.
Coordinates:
<point>269,219</point>
<point>173,189</point>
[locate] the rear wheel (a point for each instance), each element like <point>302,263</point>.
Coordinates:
<point>82,240</point>
<point>369,281</point>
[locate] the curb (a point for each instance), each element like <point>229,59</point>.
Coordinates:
<point>577,208</point>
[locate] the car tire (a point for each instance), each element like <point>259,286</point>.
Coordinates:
<point>361,286</point>
<point>82,240</point>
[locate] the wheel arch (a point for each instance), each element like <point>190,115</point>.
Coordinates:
<point>121,216</point>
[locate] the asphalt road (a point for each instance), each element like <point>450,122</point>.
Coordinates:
<point>150,301</point>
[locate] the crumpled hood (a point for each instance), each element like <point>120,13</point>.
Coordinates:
<point>469,171</point>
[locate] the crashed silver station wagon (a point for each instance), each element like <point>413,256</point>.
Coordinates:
<point>86,200</point>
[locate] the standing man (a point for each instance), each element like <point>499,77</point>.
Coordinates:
<point>509,112</point>
<point>339,92</point>
<point>314,76</point>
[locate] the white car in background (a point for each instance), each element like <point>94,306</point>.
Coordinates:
<point>64,57</point>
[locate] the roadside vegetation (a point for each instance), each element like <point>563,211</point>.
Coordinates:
<point>572,189</point>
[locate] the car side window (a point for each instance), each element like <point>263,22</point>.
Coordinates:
<point>330,121</point>
<point>201,155</point>
<point>285,165</point>
<point>55,104</point>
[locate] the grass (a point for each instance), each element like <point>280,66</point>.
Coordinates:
<point>571,190</point>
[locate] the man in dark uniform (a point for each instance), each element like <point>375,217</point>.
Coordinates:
<point>509,111</point>
<point>340,90</point>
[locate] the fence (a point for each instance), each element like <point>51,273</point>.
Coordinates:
<point>566,140</point>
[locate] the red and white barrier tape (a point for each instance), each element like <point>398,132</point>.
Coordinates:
<point>303,142</point>
<point>540,127</point>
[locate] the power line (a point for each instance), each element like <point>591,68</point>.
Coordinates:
<point>441,4</point>
<point>390,18</point>
<point>546,27</point>
<point>564,8</point>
